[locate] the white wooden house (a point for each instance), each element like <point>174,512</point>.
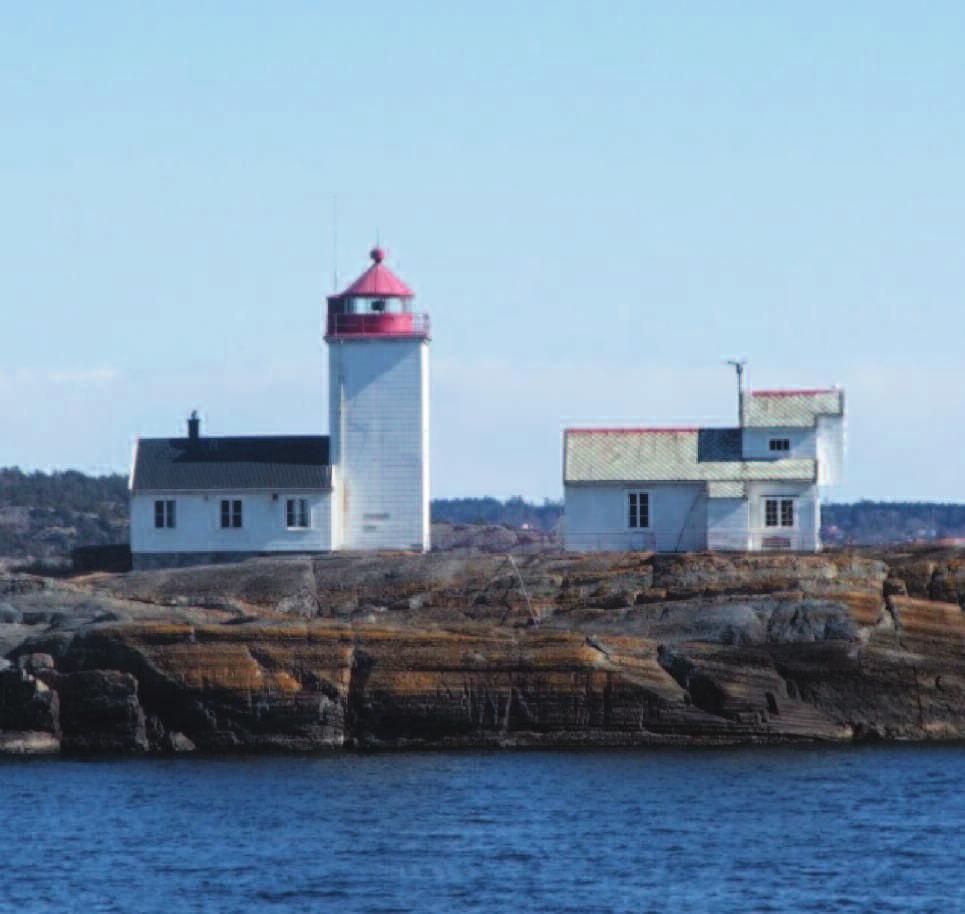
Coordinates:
<point>365,486</point>
<point>755,487</point>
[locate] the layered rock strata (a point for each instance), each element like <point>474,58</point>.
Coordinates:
<point>401,650</point>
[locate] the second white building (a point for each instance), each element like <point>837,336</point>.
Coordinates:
<point>755,487</point>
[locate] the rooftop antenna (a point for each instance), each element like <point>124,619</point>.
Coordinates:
<point>335,243</point>
<point>739,365</point>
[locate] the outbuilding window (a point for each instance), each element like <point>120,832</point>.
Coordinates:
<point>296,513</point>
<point>638,510</point>
<point>778,445</point>
<point>778,512</point>
<point>231,513</point>
<point>164,514</point>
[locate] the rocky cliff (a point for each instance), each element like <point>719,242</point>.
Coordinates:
<point>401,650</point>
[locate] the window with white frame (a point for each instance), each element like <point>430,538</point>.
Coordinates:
<point>164,514</point>
<point>779,445</point>
<point>231,518</point>
<point>296,514</point>
<point>638,510</point>
<point>778,512</point>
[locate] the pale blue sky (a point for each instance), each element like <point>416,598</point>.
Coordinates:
<point>597,203</point>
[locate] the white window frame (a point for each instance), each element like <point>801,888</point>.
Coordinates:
<point>780,501</point>
<point>166,510</point>
<point>779,445</point>
<point>300,508</point>
<point>631,509</point>
<point>236,508</point>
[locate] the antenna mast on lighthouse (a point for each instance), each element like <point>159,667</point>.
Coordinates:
<point>334,243</point>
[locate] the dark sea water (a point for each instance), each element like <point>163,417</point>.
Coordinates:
<point>830,830</point>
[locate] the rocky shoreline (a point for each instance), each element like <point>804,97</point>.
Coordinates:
<point>396,650</point>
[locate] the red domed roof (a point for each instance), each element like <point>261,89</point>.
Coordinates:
<point>378,281</point>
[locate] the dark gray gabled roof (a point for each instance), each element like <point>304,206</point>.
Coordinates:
<point>291,462</point>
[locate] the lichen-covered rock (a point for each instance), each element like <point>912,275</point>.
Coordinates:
<point>931,574</point>
<point>229,686</point>
<point>449,650</point>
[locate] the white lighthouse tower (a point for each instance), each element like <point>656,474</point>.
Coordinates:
<point>378,358</point>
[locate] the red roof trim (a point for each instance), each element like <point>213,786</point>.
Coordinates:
<point>632,431</point>
<point>792,393</point>
<point>387,335</point>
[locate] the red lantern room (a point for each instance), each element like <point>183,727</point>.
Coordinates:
<point>378,305</point>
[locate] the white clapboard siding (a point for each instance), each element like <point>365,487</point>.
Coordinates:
<point>380,442</point>
<point>803,443</point>
<point>198,523</point>
<point>830,450</point>
<point>596,517</point>
<point>728,524</point>
<point>805,535</point>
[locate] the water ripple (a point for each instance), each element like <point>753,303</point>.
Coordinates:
<point>805,830</point>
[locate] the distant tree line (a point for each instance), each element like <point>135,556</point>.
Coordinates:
<point>860,523</point>
<point>68,490</point>
<point>513,512</point>
<point>883,522</point>
<point>50,513</point>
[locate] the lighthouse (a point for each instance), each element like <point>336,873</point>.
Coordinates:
<point>200,498</point>
<point>378,358</point>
